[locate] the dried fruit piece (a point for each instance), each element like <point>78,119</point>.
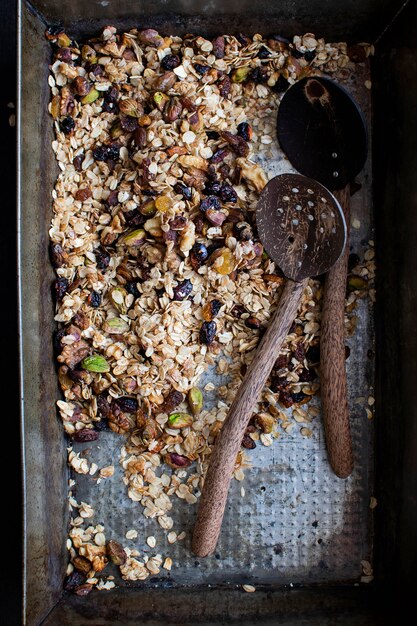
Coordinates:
<point>252,322</point>
<point>219,155</point>
<point>102,259</point>
<point>58,255</point>
<point>82,564</point>
<point>95,363</point>
<point>195,400</point>
<point>227,193</point>
<point>224,261</point>
<point>211,310</point>
<point>179,420</point>
<point>238,310</point>
<point>238,145</point>
<point>211,202</point>
<point>67,124</point>
<point>81,195</point>
<point>74,580</point>
<point>127,123</point>
<point>208,332</point>
<point>185,191</point>
<point>60,288</point>
<point>88,54</point>
<point>285,398</point>
<point>182,290</point>
<point>177,461</point>
<point>244,130</point>
<point>198,255</point>
<point>225,86</point>
<point>248,442</point>
<point>241,74</point>
<point>215,217</point>
<point>170,62</point>
<point>201,69</point>
<point>135,238</point>
<point>171,401</point>
<point>115,326</point>
<point>116,553</point>
<point>163,204</point>
<point>83,435</point>
<point>218,47</point>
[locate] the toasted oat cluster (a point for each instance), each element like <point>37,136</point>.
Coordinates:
<point>160,274</point>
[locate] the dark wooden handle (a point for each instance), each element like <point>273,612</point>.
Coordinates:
<point>223,458</point>
<point>332,360</point>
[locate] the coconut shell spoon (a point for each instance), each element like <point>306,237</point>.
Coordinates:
<point>302,228</point>
<point>323,133</point>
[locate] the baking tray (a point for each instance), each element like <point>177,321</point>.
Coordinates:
<point>299,534</point>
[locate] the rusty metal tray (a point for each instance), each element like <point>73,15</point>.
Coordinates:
<point>300,533</point>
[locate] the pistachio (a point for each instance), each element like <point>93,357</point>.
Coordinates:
<point>265,422</point>
<point>195,400</point>
<point>165,82</point>
<point>177,461</point>
<point>240,74</point>
<point>131,107</point>
<point>150,432</point>
<point>118,296</point>
<point>92,95</point>
<point>95,363</point>
<point>116,130</point>
<point>148,207</point>
<point>173,110</point>
<point>160,100</point>
<point>116,552</point>
<point>115,326</point>
<point>151,37</point>
<point>179,420</point>
<point>356,283</point>
<point>89,54</point>
<point>135,238</point>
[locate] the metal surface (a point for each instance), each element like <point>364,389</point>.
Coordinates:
<point>302,525</point>
<point>301,225</point>
<point>322,131</point>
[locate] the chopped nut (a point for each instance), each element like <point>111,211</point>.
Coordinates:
<point>179,420</point>
<point>195,400</point>
<point>95,363</point>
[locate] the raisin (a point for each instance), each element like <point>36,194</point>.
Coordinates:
<point>113,152</point>
<point>253,322</point>
<point>281,362</point>
<point>112,198</point>
<point>213,188</point>
<point>103,424</point>
<point>211,202</point>
<point>263,53</point>
<point>211,309</point>
<point>67,124</point>
<point>212,134</point>
<point>248,442</point>
<point>83,590</point>
<point>306,375</point>
<point>58,255</point>
<point>297,54</point>
<point>277,383</point>
<point>285,398</point>
<point>299,352</point>
<point>132,288</point>
<point>102,259</point>
<point>81,195</point>
<point>182,290</point>
<point>170,62</point>
<point>78,161</point>
<point>95,69</point>
<point>128,123</point>
<point>178,222</point>
<point>82,564</point>
<point>238,310</point>
<point>84,435</point>
<point>219,156</point>
<point>183,190</point>
<point>225,86</point>
<point>259,74</point>
<point>94,299</point>
<point>74,580</point>
<point>347,352</point>
<point>201,69</point>
<point>126,404</point>
<point>100,153</point>
<point>171,401</point>
<point>208,332</point>
<point>60,287</point>
<point>309,55</point>
<point>58,335</point>
<point>198,255</point>
<point>227,193</point>
<point>244,130</point>
<point>298,397</point>
<point>281,85</point>
<point>238,145</point>
<point>218,47</point>
<point>313,355</point>
<point>199,225</point>
<point>139,138</point>
<point>134,218</point>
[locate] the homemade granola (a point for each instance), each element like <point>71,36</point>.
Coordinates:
<point>160,272</point>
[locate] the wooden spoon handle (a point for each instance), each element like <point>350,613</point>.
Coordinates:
<point>223,458</point>
<point>332,360</point>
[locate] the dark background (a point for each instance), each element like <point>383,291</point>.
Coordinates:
<point>11,509</point>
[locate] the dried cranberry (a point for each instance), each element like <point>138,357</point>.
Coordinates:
<point>84,435</point>
<point>198,255</point>
<point>126,404</point>
<point>201,69</point>
<point>259,74</point>
<point>74,580</point>
<point>306,375</point>
<point>238,310</point>
<point>281,85</point>
<point>182,290</point>
<point>100,153</point>
<point>263,53</point>
<point>78,161</point>
<point>60,287</point>
<point>128,123</point>
<point>185,191</point>
<point>67,124</point>
<point>244,130</point>
<point>208,332</point>
<point>248,442</point>
<point>102,259</point>
<point>212,134</point>
<point>170,62</point>
<point>211,202</point>
<point>94,299</point>
<point>298,397</point>
<point>277,383</point>
<point>285,398</point>
<point>132,288</point>
<point>213,187</point>
<point>134,218</point>
<point>227,193</point>
<point>103,406</point>
<point>219,155</point>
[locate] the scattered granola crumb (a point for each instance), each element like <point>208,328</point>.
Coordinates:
<point>131,534</point>
<point>249,588</point>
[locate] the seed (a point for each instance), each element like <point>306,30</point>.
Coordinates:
<point>163,204</point>
<point>60,288</point>
<point>95,363</point>
<point>82,564</point>
<point>211,309</point>
<point>195,400</point>
<point>116,553</point>
<point>211,202</point>
<point>179,420</point>
<point>182,290</point>
<point>67,125</point>
<point>248,442</point>
<point>208,332</point>
<point>177,461</point>
<point>131,107</point>
<point>92,96</point>
<point>86,434</point>
<point>227,193</point>
<point>241,74</point>
<point>170,62</point>
<point>115,326</point>
<point>249,588</point>
<point>244,130</point>
<point>135,238</point>
<point>88,54</point>
<point>171,401</point>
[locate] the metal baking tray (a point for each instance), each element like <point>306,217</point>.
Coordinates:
<point>299,534</point>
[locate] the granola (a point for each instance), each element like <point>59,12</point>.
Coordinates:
<point>160,272</point>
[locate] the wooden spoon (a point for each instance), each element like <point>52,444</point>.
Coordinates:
<point>323,133</point>
<point>302,227</point>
